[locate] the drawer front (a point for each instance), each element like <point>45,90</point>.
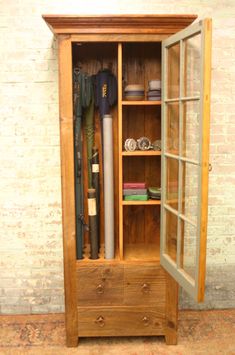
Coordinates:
<point>144,285</point>
<point>120,321</point>
<point>100,285</point>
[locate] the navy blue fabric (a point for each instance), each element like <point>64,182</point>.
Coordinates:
<point>105,91</point>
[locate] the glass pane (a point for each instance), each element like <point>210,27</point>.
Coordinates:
<point>192,65</point>
<point>173,71</point>
<point>172,128</point>
<point>188,248</point>
<point>171,235</point>
<point>172,169</point>
<point>190,191</point>
<point>190,136</point>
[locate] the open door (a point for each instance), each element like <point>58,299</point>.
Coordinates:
<point>186,67</point>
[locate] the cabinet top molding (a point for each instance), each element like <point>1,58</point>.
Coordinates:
<point>120,24</point>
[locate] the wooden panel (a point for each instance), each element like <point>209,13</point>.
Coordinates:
<point>171,310</point>
<point>118,37</point>
<point>141,121</point>
<point>133,225</point>
<point>142,252</point>
<point>141,224</point>
<point>120,321</point>
<point>142,169</point>
<point>120,162</point>
<point>144,285</point>
<point>68,203</point>
<point>100,285</point>
<point>205,154</point>
<point>141,63</point>
<point>160,24</point>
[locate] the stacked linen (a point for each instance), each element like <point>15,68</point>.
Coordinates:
<point>134,92</point>
<point>135,191</point>
<point>154,91</point>
<point>154,193</point>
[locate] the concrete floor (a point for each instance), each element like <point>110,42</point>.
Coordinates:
<point>200,332</point>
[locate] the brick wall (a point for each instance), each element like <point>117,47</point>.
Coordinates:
<point>31,261</point>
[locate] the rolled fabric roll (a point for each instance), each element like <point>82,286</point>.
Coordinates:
<point>96,185</point>
<point>108,186</point>
<point>93,230</point>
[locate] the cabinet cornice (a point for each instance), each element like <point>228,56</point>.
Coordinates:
<point>120,24</point>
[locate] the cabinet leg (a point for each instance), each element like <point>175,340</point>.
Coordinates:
<point>171,310</point>
<point>171,337</point>
<point>71,342</point>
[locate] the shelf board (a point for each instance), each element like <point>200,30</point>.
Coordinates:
<point>139,203</point>
<point>142,102</point>
<point>140,153</point>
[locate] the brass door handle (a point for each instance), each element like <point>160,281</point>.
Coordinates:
<point>210,167</point>
<point>145,320</point>
<point>100,289</point>
<point>145,288</point>
<point>100,321</point>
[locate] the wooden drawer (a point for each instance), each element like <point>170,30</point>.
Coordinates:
<point>120,321</point>
<point>100,285</point>
<point>144,285</point>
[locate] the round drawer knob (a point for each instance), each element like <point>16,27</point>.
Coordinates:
<point>100,289</point>
<point>100,321</point>
<point>145,320</point>
<point>145,288</point>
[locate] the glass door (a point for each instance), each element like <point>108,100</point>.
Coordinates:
<point>186,66</point>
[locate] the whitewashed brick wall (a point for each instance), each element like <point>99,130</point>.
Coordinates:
<point>31,259</point>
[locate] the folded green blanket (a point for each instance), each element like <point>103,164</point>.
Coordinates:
<point>136,198</point>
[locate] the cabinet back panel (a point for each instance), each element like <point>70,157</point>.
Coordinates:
<point>92,57</point>
<point>141,225</point>
<point>142,121</point>
<point>142,169</point>
<point>141,63</point>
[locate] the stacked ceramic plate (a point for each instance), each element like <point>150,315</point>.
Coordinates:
<point>134,92</point>
<point>154,91</point>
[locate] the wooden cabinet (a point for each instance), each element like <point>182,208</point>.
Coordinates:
<point>158,243</point>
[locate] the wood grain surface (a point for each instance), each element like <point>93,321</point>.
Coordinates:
<point>120,321</point>
<point>100,285</point>
<point>145,285</point>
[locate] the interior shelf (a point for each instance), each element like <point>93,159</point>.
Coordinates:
<point>140,203</point>
<point>142,153</point>
<point>143,103</point>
